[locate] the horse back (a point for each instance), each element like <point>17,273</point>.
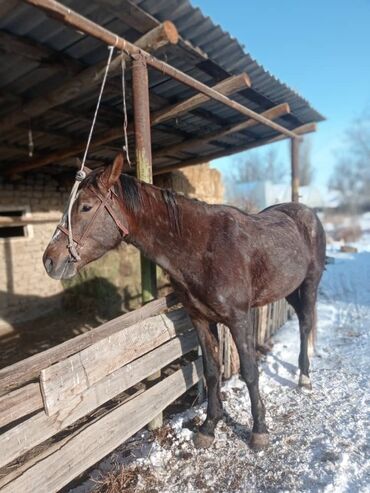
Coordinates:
<point>308,225</point>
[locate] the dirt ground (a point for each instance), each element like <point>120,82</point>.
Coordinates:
<point>32,337</point>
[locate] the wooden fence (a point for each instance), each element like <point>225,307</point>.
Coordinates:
<point>64,409</point>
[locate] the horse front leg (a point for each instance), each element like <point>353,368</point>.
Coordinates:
<point>242,332</point>
<point>211,364</point>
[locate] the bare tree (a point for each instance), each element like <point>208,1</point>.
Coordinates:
<point>351,176</point>
<point>259,167</point>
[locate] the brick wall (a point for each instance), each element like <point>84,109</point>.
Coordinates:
<point>25,289</point>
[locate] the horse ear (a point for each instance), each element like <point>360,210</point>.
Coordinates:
<point>112,172</point>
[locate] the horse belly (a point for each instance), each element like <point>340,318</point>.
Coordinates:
<point>283,274</point>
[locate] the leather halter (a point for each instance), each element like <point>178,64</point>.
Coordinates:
<point>106,202</point>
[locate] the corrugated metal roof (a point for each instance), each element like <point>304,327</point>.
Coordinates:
<point>23,79</point>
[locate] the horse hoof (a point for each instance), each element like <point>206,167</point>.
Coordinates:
<point>259,441</point>
<point>203,441</point>
<point>305,382</point>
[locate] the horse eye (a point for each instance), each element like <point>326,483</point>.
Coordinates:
<point>86,208</point>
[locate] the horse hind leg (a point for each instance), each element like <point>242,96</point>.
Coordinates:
<point>209,344</point>
<point>303,300</point>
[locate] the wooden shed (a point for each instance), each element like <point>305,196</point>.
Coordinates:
<point>50,75</point>
<point>191,94</point>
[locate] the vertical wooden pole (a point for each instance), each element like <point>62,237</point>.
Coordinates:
<point>295,169</point>
<point>227,353</point>
<point>143,151</point>
<point>201,386</point>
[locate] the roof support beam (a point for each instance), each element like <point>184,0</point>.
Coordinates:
<point>227,86</point>
<point>71,18</point>
<point>131,14</point>
<point>277,111</point>
<point>303,129</point>
<point>140,20</point>
<point>163,34</point>
<point>35,52</point>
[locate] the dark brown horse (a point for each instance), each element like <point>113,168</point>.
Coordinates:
<point>221,262</point>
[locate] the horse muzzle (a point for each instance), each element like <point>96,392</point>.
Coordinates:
<point>62,269</point>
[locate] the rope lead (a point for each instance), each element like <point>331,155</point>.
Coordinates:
<point>81,174</point>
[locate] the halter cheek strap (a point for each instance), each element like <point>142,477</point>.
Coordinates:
<point>106,202</point>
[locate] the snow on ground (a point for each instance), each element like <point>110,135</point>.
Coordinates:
<point>318,439</point>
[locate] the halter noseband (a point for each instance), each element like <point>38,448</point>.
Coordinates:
<point>106,202</point>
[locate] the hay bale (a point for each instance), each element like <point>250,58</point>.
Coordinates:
<point>200,182</point>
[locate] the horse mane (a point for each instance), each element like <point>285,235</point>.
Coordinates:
<point>170,200</point>
<point>131,194</point>
<point>134,200</point>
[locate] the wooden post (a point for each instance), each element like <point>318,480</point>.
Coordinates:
<point>295,169</point>
<point>227,353</point>
<point>140,93</point>
<point>201,386</point>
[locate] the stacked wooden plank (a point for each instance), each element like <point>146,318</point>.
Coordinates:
<point>82,399</point>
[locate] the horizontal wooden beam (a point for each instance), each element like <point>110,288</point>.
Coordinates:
<point>20,403</point>
<point>36,52</point>
<point>88,78</point>
<point>227,86</point>
<point>30,368</point>
<point>66,380</point>
<point>59,442</point>
<point>10,221</point>
<point>73,19</point>
<point>101,437</point>
<point>132,15</point>
<point>277,111</point>
<point>303,129</point>
<point>40,427</point>
<point>141,20</point>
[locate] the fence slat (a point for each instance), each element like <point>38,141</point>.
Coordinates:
<point>23,437</point>
<point>20,403</point>
<point>96,441</point>
<point>30,368</point>
<point>227,353</point>
<point>263,323</point>
<point>64,380</point>
<point>44,452</point>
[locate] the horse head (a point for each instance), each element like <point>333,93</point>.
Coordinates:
<point>97,222</point>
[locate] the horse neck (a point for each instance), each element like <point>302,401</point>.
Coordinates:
<point>152,229</point>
